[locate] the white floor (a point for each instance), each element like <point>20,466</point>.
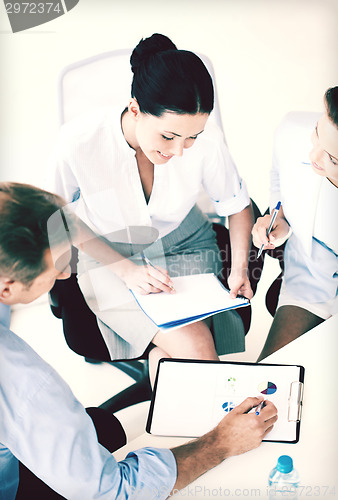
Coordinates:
<point>94,383</point>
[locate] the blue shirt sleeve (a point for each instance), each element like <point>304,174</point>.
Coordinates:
<point>5,315</point>
<point>152,474</point>
<point>45,427</point>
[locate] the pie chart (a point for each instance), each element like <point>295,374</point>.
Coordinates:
<point>267,388</point>
<point>228,406</point>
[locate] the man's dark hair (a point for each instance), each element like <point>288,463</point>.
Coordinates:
<point>167,79</point>
<point>24,213</point>
<point>331,101</point>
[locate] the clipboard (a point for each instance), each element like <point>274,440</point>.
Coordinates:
<point>190,397</point>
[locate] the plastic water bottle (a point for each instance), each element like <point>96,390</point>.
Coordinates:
<point>283,480</point>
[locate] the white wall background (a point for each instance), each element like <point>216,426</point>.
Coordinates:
<point>270,57</point>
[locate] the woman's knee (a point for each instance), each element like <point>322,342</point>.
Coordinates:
<point>197,343</point>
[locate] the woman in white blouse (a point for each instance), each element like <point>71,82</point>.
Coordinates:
<point>308,190</point>
<point>144,169</point>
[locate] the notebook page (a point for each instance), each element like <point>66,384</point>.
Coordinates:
<point>195,295</point>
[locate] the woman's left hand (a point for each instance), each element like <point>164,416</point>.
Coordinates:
<point>239,284</point>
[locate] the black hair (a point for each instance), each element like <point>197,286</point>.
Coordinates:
<point>168,79</point>
<point>331,102</point>
<point>25,211</point>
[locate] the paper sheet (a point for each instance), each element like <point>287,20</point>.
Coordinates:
<point>196,295</point>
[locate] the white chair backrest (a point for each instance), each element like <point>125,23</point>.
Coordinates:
<point>104,80</point>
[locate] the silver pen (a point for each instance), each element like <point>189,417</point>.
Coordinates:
<point>259,407</point>
<point>149,263</point>
<point>273,218</point>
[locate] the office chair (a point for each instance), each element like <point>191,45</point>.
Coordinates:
<point>100,81</point>
<point>254,269</point>
<point>105,80</point>
<point>83,336</point>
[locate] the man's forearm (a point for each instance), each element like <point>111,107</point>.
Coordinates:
<point>197,457</point>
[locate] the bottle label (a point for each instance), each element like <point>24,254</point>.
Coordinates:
<point>286,491</point>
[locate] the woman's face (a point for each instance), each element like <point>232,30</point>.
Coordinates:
<point>161,138</point>
<point>324,155</point>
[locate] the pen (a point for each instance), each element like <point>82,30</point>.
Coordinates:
<point>147,261</point>
<point>259,407</point>
<point>273,218</point>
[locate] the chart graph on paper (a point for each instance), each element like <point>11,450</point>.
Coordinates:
<point>267,388</point>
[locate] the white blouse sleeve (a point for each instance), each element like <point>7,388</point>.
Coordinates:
<point>275,193</point>
<point>279,146</point>
<point>221,180</point>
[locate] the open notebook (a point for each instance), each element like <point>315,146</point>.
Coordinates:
<point>197,296</point>
<point>191,397</point>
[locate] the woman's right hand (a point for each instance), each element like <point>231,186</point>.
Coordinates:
<point>277,236</point>
<point>144,279</point>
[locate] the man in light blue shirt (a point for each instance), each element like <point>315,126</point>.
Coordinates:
<point>5,314</point>
<point>42,425</point>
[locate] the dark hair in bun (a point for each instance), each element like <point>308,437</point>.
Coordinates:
<point>331,101</point>
<point>167,79</point>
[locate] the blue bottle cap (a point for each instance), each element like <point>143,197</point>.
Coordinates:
<point>285,464</point>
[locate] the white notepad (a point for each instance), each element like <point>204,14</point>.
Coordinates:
<point>191,397</point>
<point>197,296</point>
